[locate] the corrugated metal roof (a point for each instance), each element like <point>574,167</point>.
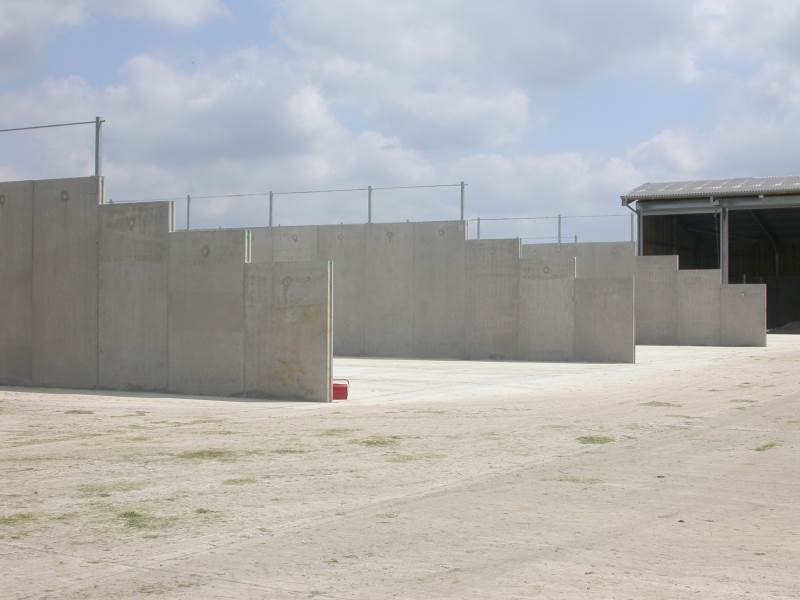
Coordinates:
<point>718,188</point>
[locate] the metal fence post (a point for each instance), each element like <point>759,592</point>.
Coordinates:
<point>559,230</point>
<point>479,228</point>
<point>270,209</point>
<point>462,200</point>
<point>98,146</point>
<point>369,204</point>
<point>188,210</point>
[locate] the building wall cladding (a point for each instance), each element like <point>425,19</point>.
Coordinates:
<point>108,296</point>
<point>422,290</point>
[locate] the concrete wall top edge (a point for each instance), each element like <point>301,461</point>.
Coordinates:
<point>65,179</point>
<point>148,204</point>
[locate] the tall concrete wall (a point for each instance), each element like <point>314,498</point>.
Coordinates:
<point>692,307</point>
<point>594,260</point>
<point>110,296</point>
<point>547,308</point>
<point>399,286</point>
<point>64,290</point>
<point>206,312</point>
<point>288,350</point>
<point>16,269</point>
<point>421,290</point>
<point>672,306</point>
<point>492,299</point>
<point>134,277</point>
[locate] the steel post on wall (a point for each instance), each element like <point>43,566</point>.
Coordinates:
<point>269,219</point>
<point>559,230</point>
<point>723,244</point>
<point>461,185</point>
<point>369,204</point>
<point>188,211</point>
<point>640,236</point>
<point>98,146</point>
<point>479,228</point>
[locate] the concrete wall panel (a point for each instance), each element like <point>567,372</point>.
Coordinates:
<point>206,318</point>
<point>288,330</point>
<point>388,298</point>
<point>438,281</point>
<point>345,245</point>
<point>657,300</point>
<point>134,277</point>
<point>65,262</point>
<point>605,260</point>
<point>604,320</point>
<point>547,308</point>
<point>492,299</point>
<point>595,260</point>
<point>698,307</point>
<point>16,272</point>
<point>743,315</point>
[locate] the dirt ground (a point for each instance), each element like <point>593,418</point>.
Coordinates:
<point>678,477</point>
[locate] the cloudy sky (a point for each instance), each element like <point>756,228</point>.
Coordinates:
<point>542,107</point>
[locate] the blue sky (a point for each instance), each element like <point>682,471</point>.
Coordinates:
<point>541,107</point>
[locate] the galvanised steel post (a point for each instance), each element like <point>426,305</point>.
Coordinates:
<point>479,228</point>
<point>270,209</point>
<point>369,204</point>
<point>188,211</point>
<point>559,230</point>
<point>98,145</point>
<point>462,200</point>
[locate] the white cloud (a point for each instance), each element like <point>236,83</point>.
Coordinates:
<point>26,25</point>
<point>179,13</point>
<point>359,92</point>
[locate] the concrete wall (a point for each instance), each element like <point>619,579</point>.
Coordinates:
<point>399,286</point>
<point>547,308</point>
<point>255,330</point>
<point>134,277</point>
<point>65,261</point>
<point>206,312</point>
<point>492,299</point>
<point>692,307</point>
<point>672,307</point>
<point>657,300</point>
<point>288,350</point>
<point>16,269</point>
<point>421,290</point>
<point>110,296</point>
<point>595,260</point>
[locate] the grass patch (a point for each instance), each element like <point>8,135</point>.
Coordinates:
<point>659,404</point>
<point>78,411</point>
<point>378,441</point>
<point>104,490</point>
<point>209,454</point>
<point>17,519</point>
<point>405,458</point>
<point>594,439</point>
<point>765,447</point>
<point>581,480</point>
<point>336,432</point>
<point>239,481</point>
<point>138,520</point>
<point>288,451</point>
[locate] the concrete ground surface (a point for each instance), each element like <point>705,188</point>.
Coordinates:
<point>677,477</point>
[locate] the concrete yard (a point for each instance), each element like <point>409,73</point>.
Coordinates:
<point>678,477</point>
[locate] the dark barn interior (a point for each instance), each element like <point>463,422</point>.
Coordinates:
<point>763,233</point>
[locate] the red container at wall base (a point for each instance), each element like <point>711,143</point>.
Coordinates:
<point>340,389</point>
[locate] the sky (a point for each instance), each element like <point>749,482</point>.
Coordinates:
<point>541,107</point>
